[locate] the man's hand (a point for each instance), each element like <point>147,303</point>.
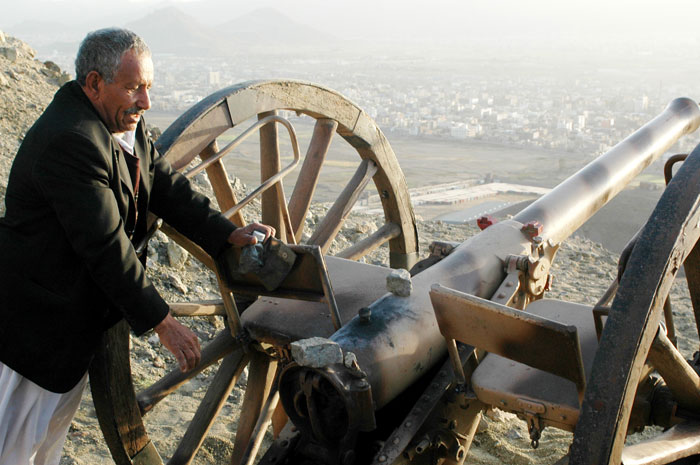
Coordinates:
<point>179,340</point>
<point>244,236</point>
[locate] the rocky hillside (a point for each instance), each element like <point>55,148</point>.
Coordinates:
<point>583,271</point>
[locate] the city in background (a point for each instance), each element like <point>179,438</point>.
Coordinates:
<point>552,86</point>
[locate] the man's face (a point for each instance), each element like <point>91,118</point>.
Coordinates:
<point>121,102</point>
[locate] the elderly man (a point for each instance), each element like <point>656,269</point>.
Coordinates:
<point>77,199</point>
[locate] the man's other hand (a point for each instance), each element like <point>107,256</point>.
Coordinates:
<point>244,236</point>
<point>179,340</point>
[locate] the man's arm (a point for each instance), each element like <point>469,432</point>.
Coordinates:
<point>180,341</point>
<point>74,175</point>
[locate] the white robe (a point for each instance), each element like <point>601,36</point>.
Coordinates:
<point>33,421</point>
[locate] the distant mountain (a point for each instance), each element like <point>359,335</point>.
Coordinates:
<point>169,30</point>
<point>267,27</point>
<point>39,33</point>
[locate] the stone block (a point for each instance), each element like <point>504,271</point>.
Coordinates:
<point>316,352</point>
<point>399,283</point>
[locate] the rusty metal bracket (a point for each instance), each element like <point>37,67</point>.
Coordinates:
<point>535,428</point>
<point>401,437</point>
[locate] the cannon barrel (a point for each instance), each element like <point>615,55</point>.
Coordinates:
<point>575,200</point>
<point>401,340</point>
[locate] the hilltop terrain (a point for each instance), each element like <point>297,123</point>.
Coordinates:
<point>583,271</point>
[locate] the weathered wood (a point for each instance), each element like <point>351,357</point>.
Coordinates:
<point>221,184</point>
<point>196,251</point>
<point>310,170</point>
<point>326,231</point>
<point>279,420</point>
<point>219,347</point>
<point>261,373</point>
<point>205,308</point>
<point>679,376</point>
<point>114,399</point>
<point>261,427</point>
<point>224,381</point>
<point>269,166</point>
<point>248,99</point>
<point>192,132</point>
<point>368,244</point>
<point>233,317</point>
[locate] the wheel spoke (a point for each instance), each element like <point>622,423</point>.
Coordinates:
<point>381,236</point>
<point>261,373</point>
<point>269,166</point>
<point>204,308</point>
<point>222,345</point>
<point>220,184</point>
<point>263,422</point>
<point>692,275</point>
<point>219,390</point>
<point>308,176</point>
<point>680,377</point>
<point>326,231</point>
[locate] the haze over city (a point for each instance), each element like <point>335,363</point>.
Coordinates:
<point>455,20</point>
<point>459,87</point>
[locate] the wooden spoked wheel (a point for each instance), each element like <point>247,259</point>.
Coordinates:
<point>195,133</point>
<point>629,340</point>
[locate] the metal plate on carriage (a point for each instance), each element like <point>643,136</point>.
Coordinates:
<point>516,387</point>
<point>279,321</point>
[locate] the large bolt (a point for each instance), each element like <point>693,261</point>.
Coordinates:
<point>532,229</point>
<point>365,315</point>
<point>485,221</point>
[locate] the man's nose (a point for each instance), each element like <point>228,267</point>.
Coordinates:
<point>144,99</point>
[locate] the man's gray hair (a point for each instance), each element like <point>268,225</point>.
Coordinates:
<point>102,51</point>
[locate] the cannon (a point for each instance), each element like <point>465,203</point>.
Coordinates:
<point>348,373</point>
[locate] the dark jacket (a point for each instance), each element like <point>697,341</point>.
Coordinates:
<point>68,269</point>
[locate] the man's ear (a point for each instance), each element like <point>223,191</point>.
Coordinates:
<point>93,85</point>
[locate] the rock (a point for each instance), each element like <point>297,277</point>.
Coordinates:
<point>177,256</point>
<point>399,283</point>
<point>64,78</point>
<point>514,434</point>
<point>53,67</point>
<point>243,379</point>
<point>161,237</point>
<point>9,52</point>
<point>316,352</point>
<point>177,283</point>
<point>494,414</point>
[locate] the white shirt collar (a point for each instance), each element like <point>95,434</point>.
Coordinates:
<point>126,140</point>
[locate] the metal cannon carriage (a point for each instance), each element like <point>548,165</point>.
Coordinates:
<point>410,373</point>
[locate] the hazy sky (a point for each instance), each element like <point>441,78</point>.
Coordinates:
<point>401,19</point>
